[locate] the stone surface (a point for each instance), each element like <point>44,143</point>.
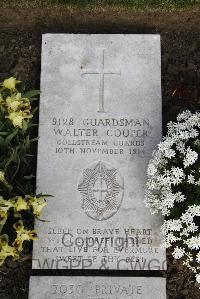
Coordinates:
<point>87,287</point>
<point>100,119</point>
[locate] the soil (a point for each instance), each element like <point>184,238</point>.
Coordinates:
<point>20,51</point>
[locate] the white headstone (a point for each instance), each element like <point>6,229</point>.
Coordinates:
<point>100,119</point>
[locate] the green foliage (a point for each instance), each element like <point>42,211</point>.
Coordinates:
<point>17,174</point>
<point>16,158</point>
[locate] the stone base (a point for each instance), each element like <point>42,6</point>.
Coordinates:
<point>96,287</point>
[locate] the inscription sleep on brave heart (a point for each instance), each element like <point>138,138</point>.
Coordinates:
<point>100,118</point>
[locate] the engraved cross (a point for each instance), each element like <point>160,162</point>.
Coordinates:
<point>102,71</point>
<point>100,189</point>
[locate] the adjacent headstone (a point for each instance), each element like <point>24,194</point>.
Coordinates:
<point>100,119</point>
<point>79,287</point>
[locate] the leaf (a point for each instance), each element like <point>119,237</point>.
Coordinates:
<point>42,220</point>
<point>31,94</point>
<point>1,227</point>
<point>2,142</point>
<point>10,159</point>
<point>33,125</point>
<point>11,136</point>
<point>3,133</point>
<point>34,110</point>
<point>29,177</point>
<point>17,161</point>
<point>34,139</point>
<point>33,99</point>
<point>24,126</point>
<point>44,195</point>
<point>27,143</point>
<point>7,185</point>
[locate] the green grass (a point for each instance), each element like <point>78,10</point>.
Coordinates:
<point>137,4</point>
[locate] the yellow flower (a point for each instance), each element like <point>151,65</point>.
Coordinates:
<point>20,204</point>
<point>24,234</point>
<point>2,259</point>
<point>33,235</point>
<point>14,105</point>
<point>14,102</point>
<point>10,83</point>
<point>1,100</point>
<point>26,104</point>
<point>18,245</point>
<point>18,96</point>
<point>3,180</point>
<point>5,205</point>
<point>6,250</point>
<point>38,204</point>
<point>2,176</point>
<point>3,216</point>
<point>18,226</point>
<point>16,118</point>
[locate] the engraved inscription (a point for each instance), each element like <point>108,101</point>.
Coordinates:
<point>101,187</point>
<point>101,72</point>
<point>102,136</point>
<point>98,290</point>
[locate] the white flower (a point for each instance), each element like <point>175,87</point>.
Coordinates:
<point>151,170</point>
<point>197,182</point>
<point>184,115</point>
<point>170,153</point>
<point>180,146</point>
<point>178,175</point>
<point>180,197</point>
<point>193,243</point>
<point>190,157</point>
<point>171,225</point>
<point>178,253</point>
<point>198,278</point>
<point>191,179</point>
<point>174,167</point>
<point>198,257</point>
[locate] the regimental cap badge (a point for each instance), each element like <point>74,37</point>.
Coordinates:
<point>102,188</point>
